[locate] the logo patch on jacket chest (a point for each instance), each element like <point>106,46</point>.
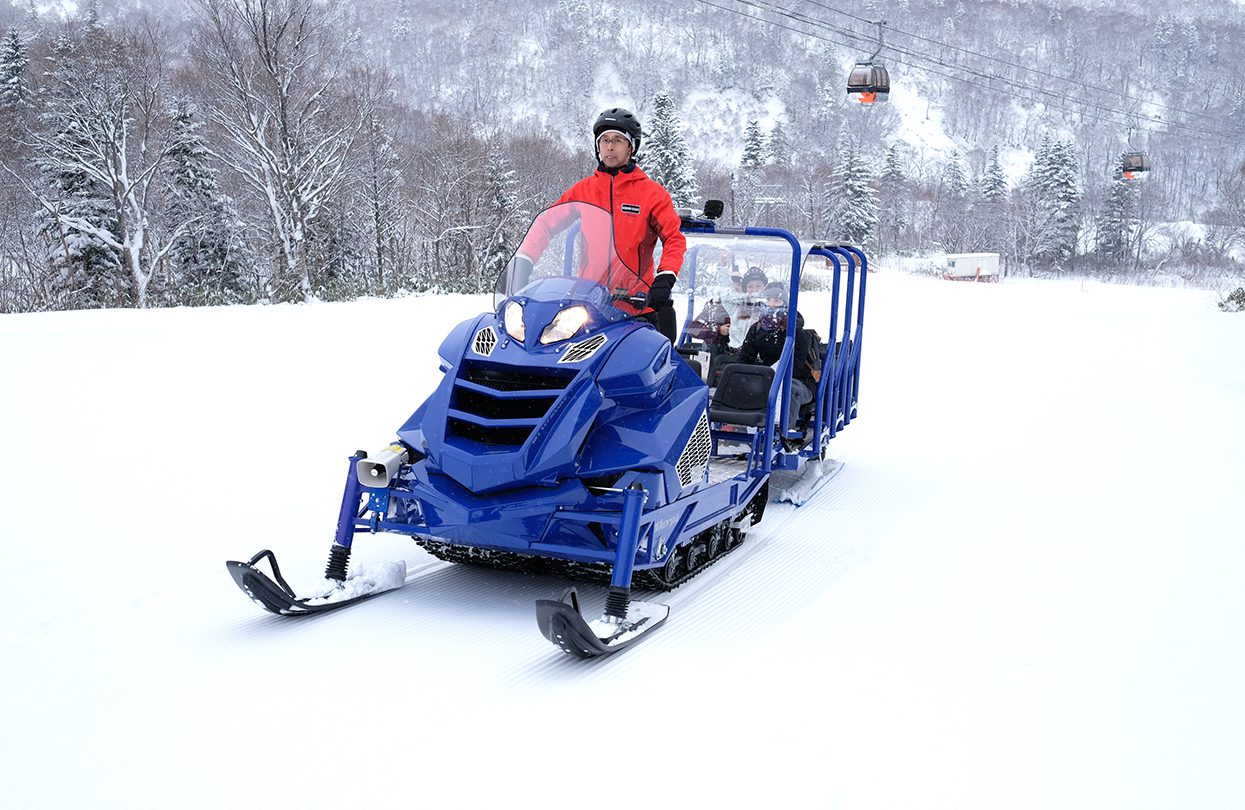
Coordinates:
<point>629,208</point>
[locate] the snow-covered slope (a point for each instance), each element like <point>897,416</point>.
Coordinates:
<point>1022,591</point>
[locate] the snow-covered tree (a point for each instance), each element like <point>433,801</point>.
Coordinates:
<point>951,221</point>
<point>506,218</point>
<point>84,263</point>
<point>14,66</point>
<point>335,244</point>
<point>664,155</point>
<point>91,15</point>
<point>402,25</point>
<point>1116,225</point>
<point>209,262</point>
<point>954,178</point>
<point>754,146</point>
<point>1163,36</point>
<point>851,203</point>
<point>993,181</point>
<point>778,147</point>
<point>103,149</point>
<point>892,166</point>
<point>380,185</point>
<point>1054,186</point>
<point>894,201</point>
<point>275,69</point>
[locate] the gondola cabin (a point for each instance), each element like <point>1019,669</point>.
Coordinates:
<point>1133,164</point>
<point>869,83</point>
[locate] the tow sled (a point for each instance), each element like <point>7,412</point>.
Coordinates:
<point>567,435</point>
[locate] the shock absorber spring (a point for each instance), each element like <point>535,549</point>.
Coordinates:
<point>339,558</point>
<point>617,601</point>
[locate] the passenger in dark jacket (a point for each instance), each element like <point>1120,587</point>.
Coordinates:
<point>765,339</point>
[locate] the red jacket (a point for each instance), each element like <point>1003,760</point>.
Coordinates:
<point>642,212</point>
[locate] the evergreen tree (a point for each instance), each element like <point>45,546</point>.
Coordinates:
<point>664,155</point>
<point>334,252</point>
<point>86,269</point>
<point>991,211</point>
<point>893,201</point>
<point>778,147</point>
<point>954,178</point>
<point>1056,198</point>
<point>1164,34</point>
<point>208,262</point>
<point>402,25</point>
<point>892,166</point>
<point>1238,106</point>
<point>1117,222</point>
<point>1067,198</point>
<point>851,203</point>
<point>951,219</point>
<point>91,16</point>
<point>993,181</point>
<point>754,146</point>
<point>14,84</point>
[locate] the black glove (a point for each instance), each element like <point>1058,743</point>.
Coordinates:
<point>659,291</point>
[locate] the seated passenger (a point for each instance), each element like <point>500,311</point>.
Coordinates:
<point>765,340</point>
<point>743,305</point>
<point>742,309</point>
<point>712,327</point>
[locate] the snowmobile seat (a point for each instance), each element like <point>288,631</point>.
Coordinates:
<point>740,396</point>
<point>695,366</point>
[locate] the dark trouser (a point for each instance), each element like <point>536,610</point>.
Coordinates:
<point>801,395</point>
<point>663,318</point>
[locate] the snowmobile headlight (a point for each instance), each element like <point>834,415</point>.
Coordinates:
<point>513,316</point>
<point>565,324</point>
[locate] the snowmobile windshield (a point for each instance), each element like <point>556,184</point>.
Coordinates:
<point>574,242</point>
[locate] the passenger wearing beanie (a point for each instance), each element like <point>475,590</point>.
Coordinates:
<point>742,309</point>
<point>765,341</point>
<point>642,213</point>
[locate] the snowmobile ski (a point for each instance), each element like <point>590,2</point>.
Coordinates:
<point>814,476</point>
<point>276,596</point>
<point>561,622</point>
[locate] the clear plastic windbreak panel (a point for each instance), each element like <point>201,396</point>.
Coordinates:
<point>730,271</point>
<point>573,241</point>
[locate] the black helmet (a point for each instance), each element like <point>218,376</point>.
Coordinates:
<point>622,120</point>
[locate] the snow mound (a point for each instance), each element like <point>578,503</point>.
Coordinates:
<point>802,486</point>
<point>368,580</point>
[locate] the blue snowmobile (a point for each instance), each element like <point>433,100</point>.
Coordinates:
<point>568,435</point>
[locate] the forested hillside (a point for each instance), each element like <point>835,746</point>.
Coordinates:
<point>216,151</point>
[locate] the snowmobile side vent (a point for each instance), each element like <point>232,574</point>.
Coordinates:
<point>485,341</point>
<point>583,349</point>
<point>694,460</point>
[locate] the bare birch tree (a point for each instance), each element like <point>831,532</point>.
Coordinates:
<point>273,69</point>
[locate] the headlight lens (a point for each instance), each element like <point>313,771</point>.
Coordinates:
<point>565,324</point>
<point>513,317</point>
